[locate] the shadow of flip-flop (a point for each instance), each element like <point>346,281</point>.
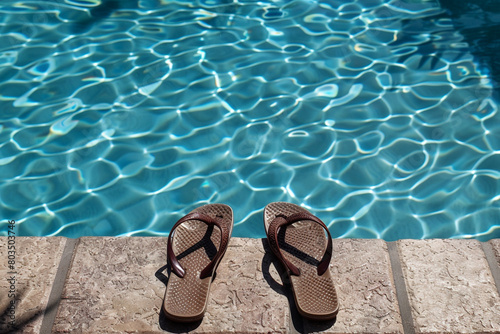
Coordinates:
<point>211,250</point>
<point>177,327</point>
<point>164,323</point>
<point>300,323</point>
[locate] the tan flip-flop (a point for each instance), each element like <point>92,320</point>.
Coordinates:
<point>196,244</point>
<point>298,239</point>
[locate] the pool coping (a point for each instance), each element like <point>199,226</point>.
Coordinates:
<point>99,284</point>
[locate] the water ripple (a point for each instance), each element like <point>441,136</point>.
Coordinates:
<point>117,119</point>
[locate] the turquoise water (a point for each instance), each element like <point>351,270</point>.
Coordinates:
<point>117,118</point>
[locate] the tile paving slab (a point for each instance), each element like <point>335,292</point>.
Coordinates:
<point>116,285</point>
<point>365,287</point>
<point>112,286</point>
<point>247,295</point>
<point>36,263</point>
<point>495,244</point>
<point>450,286</point>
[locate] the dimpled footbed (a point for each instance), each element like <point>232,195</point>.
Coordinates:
<point>303,244</point>
<point>194,244</point>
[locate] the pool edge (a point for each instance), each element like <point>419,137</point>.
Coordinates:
<point>91,276</point>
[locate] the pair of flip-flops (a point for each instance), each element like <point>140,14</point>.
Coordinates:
<point>198,241</point>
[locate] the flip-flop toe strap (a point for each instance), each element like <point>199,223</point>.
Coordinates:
<point>208,270</point>
<point>281,221</point>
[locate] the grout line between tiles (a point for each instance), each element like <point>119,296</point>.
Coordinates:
<point>401,291</point>
<point>58,286</point>
<point>492,262</point>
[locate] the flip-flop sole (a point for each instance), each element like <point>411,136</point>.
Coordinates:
<point>303,244</point>
<point>195,244</point>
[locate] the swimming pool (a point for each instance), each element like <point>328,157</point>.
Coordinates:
<point>120,117</point>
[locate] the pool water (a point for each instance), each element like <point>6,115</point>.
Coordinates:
<point>119,117</point>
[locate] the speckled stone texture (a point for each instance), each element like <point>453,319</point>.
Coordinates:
<point>363,277</point>
<point>111,286</point>
<point>246,296</point>
<point>495,244</point>
<point>36,263</point>
<point>450,286</point>
<point>116,285</point>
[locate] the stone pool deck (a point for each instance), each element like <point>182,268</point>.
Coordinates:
<point>116,285</point>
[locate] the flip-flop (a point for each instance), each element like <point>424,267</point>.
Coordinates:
<point>196,244</point>
<point>298,239</point>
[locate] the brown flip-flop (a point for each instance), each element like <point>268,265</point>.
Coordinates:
<point>196,244</point>
<point>298,239</point>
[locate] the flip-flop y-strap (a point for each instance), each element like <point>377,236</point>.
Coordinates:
<point>198,247</point>
<point>209,269</point>
<point>272,236</point>
<point>298,240</point>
